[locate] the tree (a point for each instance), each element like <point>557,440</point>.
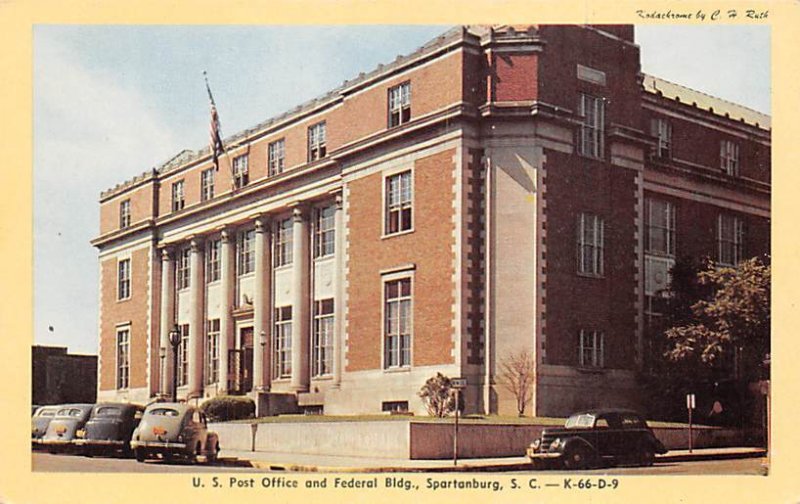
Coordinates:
<point>516,375</point>
<point>437,397</point>
<point>731,325</point>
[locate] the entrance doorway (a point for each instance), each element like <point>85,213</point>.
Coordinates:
<point>240,376</point>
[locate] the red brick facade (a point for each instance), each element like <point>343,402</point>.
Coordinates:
<point>498,180</point>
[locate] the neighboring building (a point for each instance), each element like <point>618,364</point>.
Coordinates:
<point>59,377</point>
<point>497,190</point>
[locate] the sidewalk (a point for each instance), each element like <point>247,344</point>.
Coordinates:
<point>330,463</point>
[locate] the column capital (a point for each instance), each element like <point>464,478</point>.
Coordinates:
<point>196,243</point>
<point>338,199</point>
<point>166,254</point>
<point>262,223</point>
<point>225,234</point>
<point>299,212</point>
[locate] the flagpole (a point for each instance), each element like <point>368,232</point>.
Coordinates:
<point>217,132</point>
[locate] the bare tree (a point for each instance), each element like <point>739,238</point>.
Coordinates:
<point>516,375</point>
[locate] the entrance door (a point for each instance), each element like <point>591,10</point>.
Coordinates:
<point>246,346</point>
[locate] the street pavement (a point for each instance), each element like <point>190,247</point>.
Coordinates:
<point>713,461</point>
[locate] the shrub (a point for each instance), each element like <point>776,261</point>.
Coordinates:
<point>225,408</point>
<point>437,397</point>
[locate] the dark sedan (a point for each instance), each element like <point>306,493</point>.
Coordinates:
<point>109,428</point>
<point>595,437</point>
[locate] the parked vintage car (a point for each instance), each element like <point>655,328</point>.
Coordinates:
<point>109,428</point>
<point>174,430</point>
<point>595,437</point>
<point>40,420</point>
<point>69,418</point>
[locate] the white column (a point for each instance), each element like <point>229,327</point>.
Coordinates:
<point>338,289</point>
<point>300,300</point>
<point>167,319</point>
<point>196,319</point>
<point>261,307</point>
<point>226,320</point>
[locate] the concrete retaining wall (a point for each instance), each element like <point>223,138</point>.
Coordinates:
<point>421,440</point>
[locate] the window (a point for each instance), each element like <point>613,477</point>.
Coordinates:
<point>213,251</point>
<point>730,239</point>
<point>590,245</point>
<point>394,406</point>
<point>282,359</point>
<point>207,184</point>
<point>324,231</point>
<point>212,351</point>
<point>591,348</point>
<point>322,347</point>
<point>123,358</point>
<point>592,109</point>
<point>276,152</point>
<point>177,196</point>
<point>246,259</point>
<point>399,104</point>
<point>729,157</point>
<point>182,272</point>
<point>316,142</point>
<point>283,242</point>
<point>662,130</point>
<point>240,171</point>
<point>124,214</point>
<point>397,323</point>
<point>183,356</point>
<point>660,228</point>
<point>124,279</point>
<point>398,203</point>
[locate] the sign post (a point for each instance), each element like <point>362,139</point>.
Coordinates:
<point>457,384</point>
<point>690,405</point>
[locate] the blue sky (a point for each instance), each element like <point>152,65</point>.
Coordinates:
<point>111,102</point>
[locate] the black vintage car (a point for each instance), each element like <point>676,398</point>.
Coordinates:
<point>596,437</point>
<point>109,428</point>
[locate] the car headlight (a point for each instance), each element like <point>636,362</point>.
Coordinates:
<point>80,433</point>
<point>555,444</point>
<point>536,444</point>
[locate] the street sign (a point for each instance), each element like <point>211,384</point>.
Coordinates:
<point>458,383</point>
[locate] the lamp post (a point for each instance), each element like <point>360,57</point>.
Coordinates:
<point>162,354</point>
<point>175,340</point>
<point>263,340</point>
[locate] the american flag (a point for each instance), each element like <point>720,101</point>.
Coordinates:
<point>215,138</point>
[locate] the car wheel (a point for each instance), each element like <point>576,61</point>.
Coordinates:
<point>140,455</point>
<point>646,455</point>
<point>192,457</point>
<point>576,457</point>
<point>126,450</point>
<point>212,455</point>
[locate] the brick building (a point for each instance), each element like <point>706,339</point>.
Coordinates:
<point>498,190</point>
<point>59,377</point>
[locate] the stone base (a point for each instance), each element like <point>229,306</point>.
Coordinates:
<point>271,403</point>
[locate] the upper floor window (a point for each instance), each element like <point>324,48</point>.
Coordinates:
<point>730,239</point>
<point>123,358</point>
<point>324,231</point>
<point>660,230</point>
<point>662,130</point>
<point>178,201</point>
<point>182,270</point>
<point>399,104</point>
<point>322,344</point>
<point>240,171</point>
<point>729,157</point>
<point>247,257</point>
<point>590,244</point>
<point>398,203</point>
<point>397,323</point>
<point>592,108</point>
<point>316,141</point>
<point>591,348</point>
<point>124,213</point>
<point>213,250</point>
<point>207,184</point>
<point>276,152</point>
<point>124,279</point>
<point>283,242</point>
<point>183,355</point>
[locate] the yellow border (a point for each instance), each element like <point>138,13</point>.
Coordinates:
<point>19,485</point>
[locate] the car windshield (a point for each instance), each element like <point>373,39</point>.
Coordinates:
<point>108,411</point>
<point>164,412</point>
<point>74,412</point>
<point>579,421</point>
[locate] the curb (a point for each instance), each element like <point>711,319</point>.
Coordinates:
<point>697,457</point>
